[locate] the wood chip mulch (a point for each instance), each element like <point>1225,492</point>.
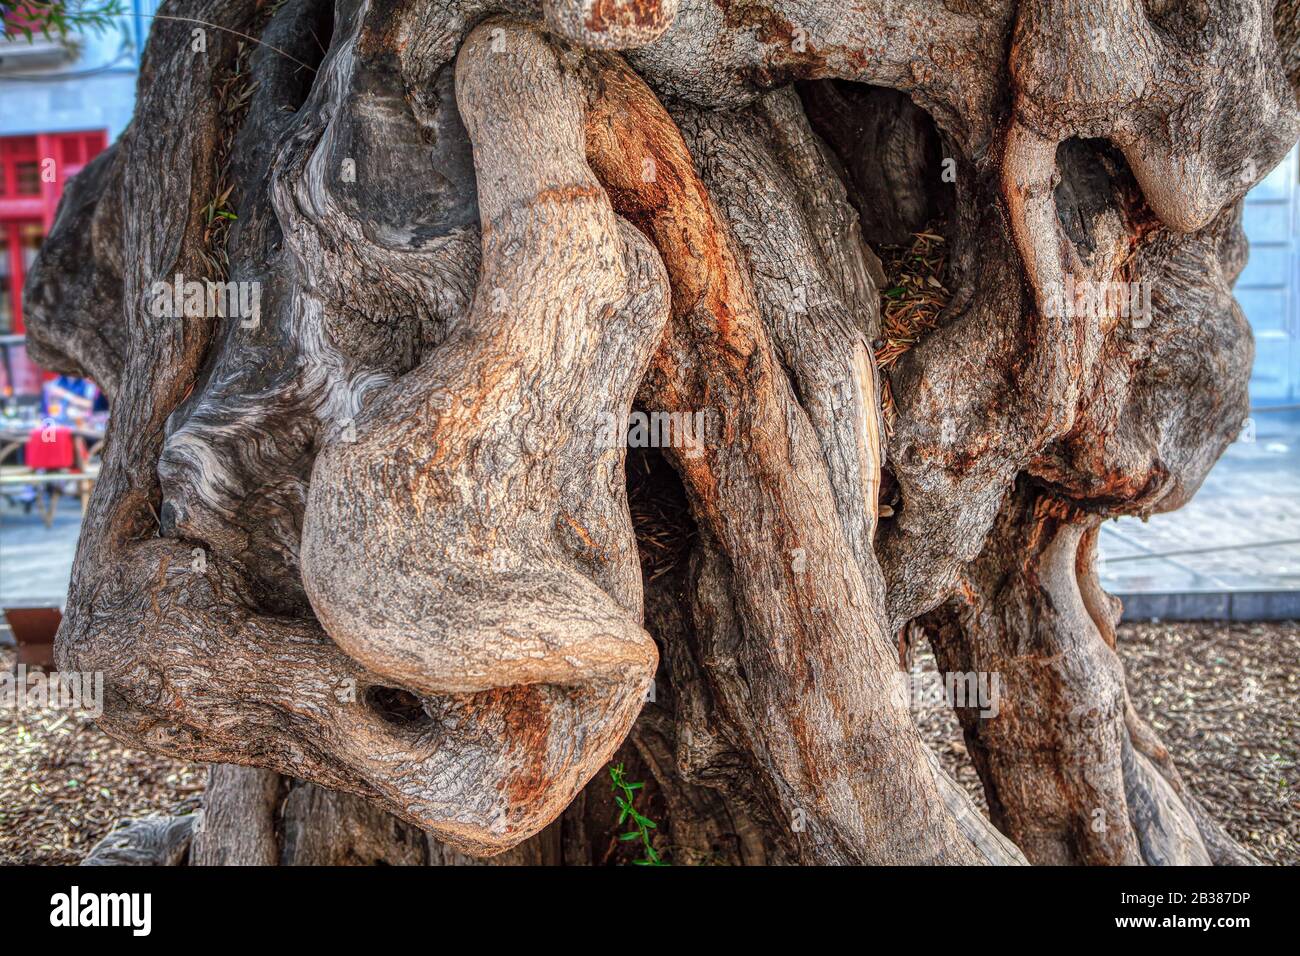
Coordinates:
<point>911,301</point>
<point>64,783</point>
<point>1222,697</point>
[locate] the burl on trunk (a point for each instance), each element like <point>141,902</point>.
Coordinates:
<point>382,542</point>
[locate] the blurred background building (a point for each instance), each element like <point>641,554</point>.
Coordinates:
<point>1269,288</point>
<point>62,101</point>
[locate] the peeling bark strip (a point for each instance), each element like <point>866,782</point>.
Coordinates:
<point>378,548</point>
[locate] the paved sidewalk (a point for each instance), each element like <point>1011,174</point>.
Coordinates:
<point>1240,534</point>
<point>35,561</point>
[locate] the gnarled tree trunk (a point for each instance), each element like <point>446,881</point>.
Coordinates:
<point>371,541</point>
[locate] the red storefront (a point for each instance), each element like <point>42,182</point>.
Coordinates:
<point>33,170</point>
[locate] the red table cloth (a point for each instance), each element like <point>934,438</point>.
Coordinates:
<point>49,448</point>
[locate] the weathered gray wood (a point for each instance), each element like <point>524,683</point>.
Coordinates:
<point>237,825</point>
<point>374,543</point>
<point>148,841</point>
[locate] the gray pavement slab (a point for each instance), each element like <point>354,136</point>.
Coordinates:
<point>1239,534</point>
<point>35,561</point>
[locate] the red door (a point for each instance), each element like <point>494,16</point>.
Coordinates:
<point>33,170</point>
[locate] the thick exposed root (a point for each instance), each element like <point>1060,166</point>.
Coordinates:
<point>1070,772</point>
<point>379,539</point>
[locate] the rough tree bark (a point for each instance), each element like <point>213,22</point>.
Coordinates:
<point>370,556</point>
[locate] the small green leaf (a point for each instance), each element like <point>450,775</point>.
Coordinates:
<point>625,802</point>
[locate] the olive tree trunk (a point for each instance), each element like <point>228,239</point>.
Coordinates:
<point>912,294</point>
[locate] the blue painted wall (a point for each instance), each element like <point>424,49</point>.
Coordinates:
<point>1269,287</point>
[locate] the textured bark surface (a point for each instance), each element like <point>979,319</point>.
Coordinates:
<point>374,554</point>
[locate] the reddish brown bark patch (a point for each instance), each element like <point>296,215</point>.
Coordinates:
<point>606,15</point>
<point>526,714</point>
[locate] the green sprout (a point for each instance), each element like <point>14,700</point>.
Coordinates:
<point>625,796</point>
<point>218,208</point>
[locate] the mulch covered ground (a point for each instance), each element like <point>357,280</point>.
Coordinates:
<point>1223,698</point>
<point>64,783</point>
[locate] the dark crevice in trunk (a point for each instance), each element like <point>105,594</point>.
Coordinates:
<point>398,707</point>
<point>890,152</point>
<point>661,516</point>
<point>1094,177</point>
